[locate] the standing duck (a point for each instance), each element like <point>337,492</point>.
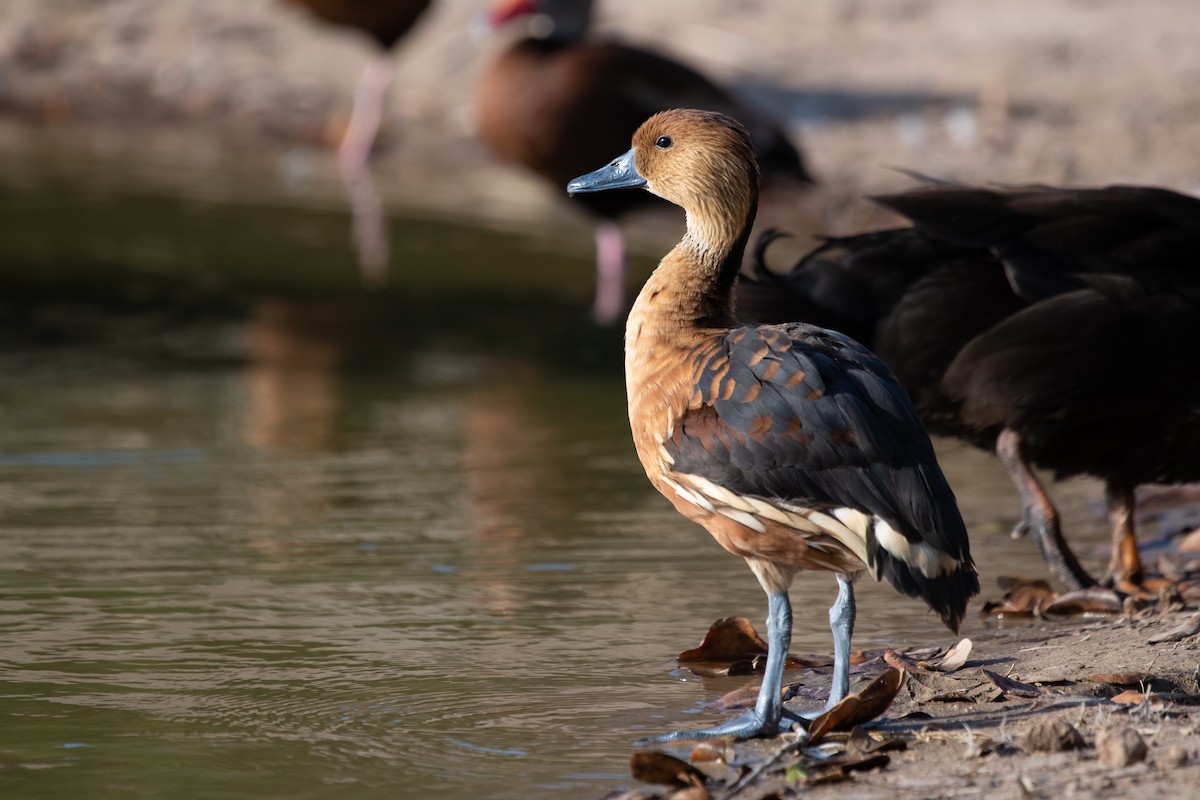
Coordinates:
<point>793,445</point>
<point>386,22</point>
<point>1057,326</point>
<point>557,103</point>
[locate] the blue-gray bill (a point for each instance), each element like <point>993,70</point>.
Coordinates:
<point>620,173</point>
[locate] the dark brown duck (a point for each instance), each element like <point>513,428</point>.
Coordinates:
<point>1058,326</point>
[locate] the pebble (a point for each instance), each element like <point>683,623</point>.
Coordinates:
<point>1120,746</point>
<point>1052,736</point>
<point>1174,756</point>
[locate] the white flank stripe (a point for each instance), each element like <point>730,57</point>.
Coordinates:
<point>691,497</point>
<point>920,556</point>
<point>749,520</point>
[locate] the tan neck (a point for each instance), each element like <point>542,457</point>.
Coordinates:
<point>691,292</point>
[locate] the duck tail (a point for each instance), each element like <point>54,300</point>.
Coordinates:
<point>916,567</point>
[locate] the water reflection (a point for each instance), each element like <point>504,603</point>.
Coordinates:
<point>368,230</point>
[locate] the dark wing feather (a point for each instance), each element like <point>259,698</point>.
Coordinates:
<point>806,416</point>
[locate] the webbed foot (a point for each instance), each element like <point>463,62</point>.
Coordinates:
<point>748,726</point>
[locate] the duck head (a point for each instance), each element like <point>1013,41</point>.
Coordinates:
<point>562,20</point>
<point>702,161</point>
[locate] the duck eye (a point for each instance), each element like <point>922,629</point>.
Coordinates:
<point>663,142</point>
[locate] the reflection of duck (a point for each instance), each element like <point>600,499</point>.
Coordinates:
<point>791,444</point>
<point>386,22</point>
<point>558,104</point>
<point>1058,326</point>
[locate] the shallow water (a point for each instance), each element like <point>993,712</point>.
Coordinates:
<point>381,544</point>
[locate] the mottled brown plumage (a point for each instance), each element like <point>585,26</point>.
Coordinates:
<point>792,445</point>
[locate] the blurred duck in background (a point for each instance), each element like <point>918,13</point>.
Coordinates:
<point>557,103</point>
<point>386,22</point>
<point>1057,326</point>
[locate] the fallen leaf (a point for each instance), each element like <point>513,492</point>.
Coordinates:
<point>862,743</point>
<point>936,687</point>
<point>955,657</point>
<point>1119,678</point>
<point>1010,686</point>
<point>1131,697</point>
<point>709,751</point>
<point>1190,543</point>
<point>1051,679</point>
<point>1188,628</point>
<point>655,766</point>
<point>733,647</point>
<point>900,661</point>
<point>1093,600</point>
<point>728,639</point>
<point>745,697</point>
<point>836,771</point>
<point>1023,597</point>
<point>860,707</point>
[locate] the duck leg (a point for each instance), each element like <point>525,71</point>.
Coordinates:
<point>1040,515</point>
<point>1125,566</point>
<point>841,622</point>
<point>367,112</point>
<point>768,716</point>
<point>610,273</point>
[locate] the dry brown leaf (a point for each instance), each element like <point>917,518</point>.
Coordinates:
<point>709,752</point>
<point>1119,678</point>
<point>936,687</point>
<point>1023,597</point>
<point>655,766</point>
<point>860,707</point>
<point>955,657</point>
<point>1093,600</point>
<point>1187,629</point>
<point>900,661</point>
<point>1190,543</point>
<point>1010,686</point>
<point>836,771</point>
<point>732,647</point>
<point>1131,697</point>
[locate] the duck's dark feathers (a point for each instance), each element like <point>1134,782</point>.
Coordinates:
<point>803,416</point>
<point>791,411</point>
<point>1068,315</point>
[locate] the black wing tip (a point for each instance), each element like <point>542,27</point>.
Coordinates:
<point>947,595</point>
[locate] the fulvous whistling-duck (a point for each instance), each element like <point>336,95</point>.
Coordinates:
<point>386,22</point>
<point>792,444</point>
<point>558,103</point>
<point>1058,326</point>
